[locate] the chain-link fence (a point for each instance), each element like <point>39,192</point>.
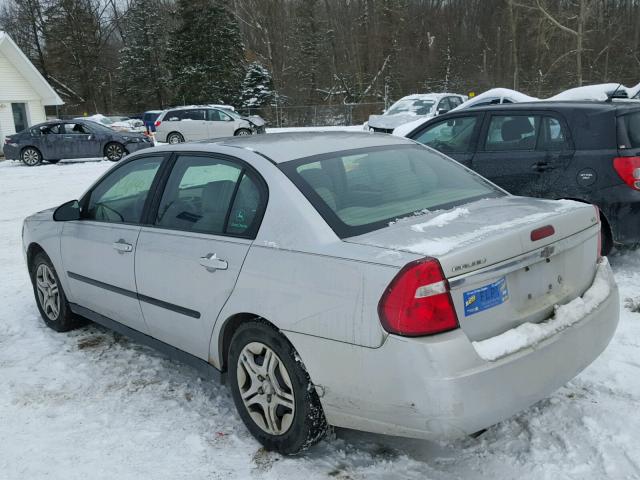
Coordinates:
<point>315,115</point>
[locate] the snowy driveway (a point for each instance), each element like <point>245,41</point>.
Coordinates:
<point>90,404</point>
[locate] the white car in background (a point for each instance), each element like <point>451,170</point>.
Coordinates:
<point>201,122</point>
<point>412,107</point>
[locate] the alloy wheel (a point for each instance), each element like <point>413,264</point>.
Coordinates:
<point>48,292</point>
<point>31,157</point>
<point>266,388</point>
<point>174,139</point>
<point>243,133</point>
<point>114,152</point>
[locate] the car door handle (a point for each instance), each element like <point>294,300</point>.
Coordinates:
<point>122,246</point>
<point>541,166</point>
<point>211,262</point>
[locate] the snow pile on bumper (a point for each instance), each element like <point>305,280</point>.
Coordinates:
<point>529,334</point>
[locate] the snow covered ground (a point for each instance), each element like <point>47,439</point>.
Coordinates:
<point>91,404</point>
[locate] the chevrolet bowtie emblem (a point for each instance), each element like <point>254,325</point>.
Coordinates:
<point>546,252</point>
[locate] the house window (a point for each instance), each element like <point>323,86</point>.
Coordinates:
<point>19,116</point>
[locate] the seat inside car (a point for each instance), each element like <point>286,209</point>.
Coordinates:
<point>215,202</point>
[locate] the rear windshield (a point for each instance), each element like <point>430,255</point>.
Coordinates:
<point>358,191</point>
<point>632,126</point>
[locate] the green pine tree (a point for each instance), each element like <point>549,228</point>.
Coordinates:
<point>257,87</point>
<point>142,66</point>
<point>206,53</point>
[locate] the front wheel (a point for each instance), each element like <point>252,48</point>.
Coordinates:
<point>242,132</point>
<point>50,298</point>
<point>31,157</point>
<point>272,390</point>
<point>114,151</point>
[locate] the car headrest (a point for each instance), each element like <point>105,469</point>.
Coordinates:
<point>217,195</point>
<point>514,128</point>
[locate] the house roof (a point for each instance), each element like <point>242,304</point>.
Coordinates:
<point>20,61</point>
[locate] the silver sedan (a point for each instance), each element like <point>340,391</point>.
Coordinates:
<point>349,279</point>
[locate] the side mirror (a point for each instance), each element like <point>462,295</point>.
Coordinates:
<point>67,211</point>
<point>442,110</point>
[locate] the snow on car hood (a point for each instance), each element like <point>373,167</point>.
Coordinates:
<point>596,92</point>
<point>389,122</point>
<point>496,229</point>
<point>257,120</point>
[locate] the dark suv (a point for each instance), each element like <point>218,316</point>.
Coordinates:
<point>585,151</point>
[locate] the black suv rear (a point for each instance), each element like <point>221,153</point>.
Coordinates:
<point>585,151</point>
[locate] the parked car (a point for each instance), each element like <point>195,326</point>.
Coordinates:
<point>586,151</point>
<point>411,108</point>
<point>349,279</point>
<point>184,124</point>
<point>149,119</point>
<point>54,140</point>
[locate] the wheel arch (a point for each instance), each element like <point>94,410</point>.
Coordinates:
<point>22,149</point>
<point>248,129</point>
<point>32,250</point>
<point>229,327</point>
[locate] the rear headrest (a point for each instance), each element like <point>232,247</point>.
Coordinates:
<point>217,195</point>
<point>516,127</point>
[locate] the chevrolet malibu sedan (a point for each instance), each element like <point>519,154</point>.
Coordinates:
<point>349,279</point>
<point>55,140</point>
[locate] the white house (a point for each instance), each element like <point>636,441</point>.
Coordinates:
<point>23,90</point>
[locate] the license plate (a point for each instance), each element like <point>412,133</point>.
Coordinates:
<point>485,297</point>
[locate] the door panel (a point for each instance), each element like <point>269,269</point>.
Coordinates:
<point>101,276</point>
<point>171,267</point>
<point>219,124</point>
<point>507,154</point>
<point>80,142</point>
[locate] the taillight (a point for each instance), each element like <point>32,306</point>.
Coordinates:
<point>157,123</point>
<point>628,168</point>
<point>417,301</point>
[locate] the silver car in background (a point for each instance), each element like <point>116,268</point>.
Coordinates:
<point>349,279</point>
<point>186,124</point>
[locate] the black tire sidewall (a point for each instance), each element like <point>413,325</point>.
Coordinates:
<point>237,134</point>
<point>179,136</point>
<point>65,320</point>
<point>309,424</point>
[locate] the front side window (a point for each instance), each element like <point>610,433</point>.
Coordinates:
<point>217,116</point>
<point>76,129</point>
<point>363,190</point>
<point>455,101</point>
<point>450,136</point>
<point>507,133</point>
<point>120,197</point>
<point>210,196</point>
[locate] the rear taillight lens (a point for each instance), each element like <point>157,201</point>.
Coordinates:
<point>628,168</point>
<point>417,301</point>
<point>157,123</point>
<point>542,232</point>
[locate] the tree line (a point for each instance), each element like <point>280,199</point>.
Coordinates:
<point>132,55</point>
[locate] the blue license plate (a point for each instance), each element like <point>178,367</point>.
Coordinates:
<point>485,297</point>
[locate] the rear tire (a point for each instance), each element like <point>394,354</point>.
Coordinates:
<point>50,297</point>
<point>607,237</point>
<point>114,151</point>
<point>31,156</point>
<point>272,390</point>
<point>174,138</point>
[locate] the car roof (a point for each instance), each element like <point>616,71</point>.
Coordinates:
<point>287,146</point>
<point>584,105</point>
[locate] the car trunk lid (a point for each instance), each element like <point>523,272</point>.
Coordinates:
<point>499,276</point>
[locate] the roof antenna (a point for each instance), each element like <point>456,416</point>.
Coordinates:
<point>612,94</point>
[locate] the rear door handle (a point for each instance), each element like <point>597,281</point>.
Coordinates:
<point>122,246</point>
<point>212,263</point>
<point>541,167</point>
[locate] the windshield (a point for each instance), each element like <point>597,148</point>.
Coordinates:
<point>359,191</point>
<point>411,107</point>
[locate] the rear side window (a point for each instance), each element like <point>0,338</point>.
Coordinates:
<point>507,133</point>
<point>363,190</point>
<point>552,136</point>
<point>212,196</point>
<point>180,115</point>
<point>632,126</point>
<point>450,136</point>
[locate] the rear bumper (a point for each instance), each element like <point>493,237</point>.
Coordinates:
<point>439,388</point>
<point>11,151</point>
